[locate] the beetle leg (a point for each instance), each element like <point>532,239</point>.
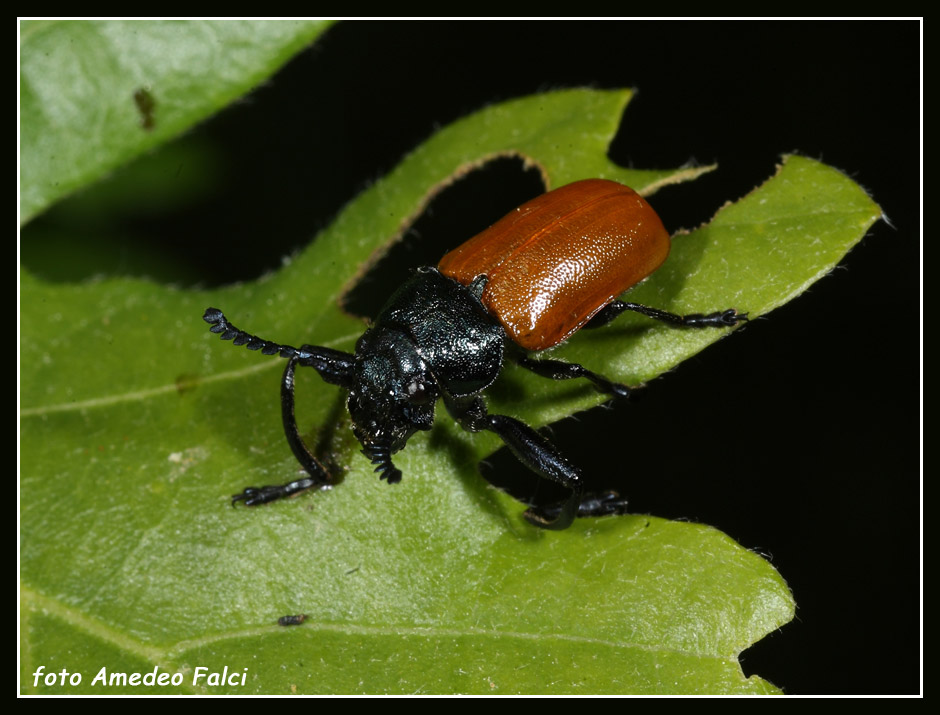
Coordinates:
<point>558,370</point>
<point>318,476</point>
<point>606,504</point>
<point>719,319</point>
<point>334,366</point>
<point>533,450</point>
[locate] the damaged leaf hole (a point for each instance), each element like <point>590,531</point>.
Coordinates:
<point>456,213</point>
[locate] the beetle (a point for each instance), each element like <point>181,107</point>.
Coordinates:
<point>548,269</point>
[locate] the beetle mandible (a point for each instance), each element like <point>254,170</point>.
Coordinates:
<point>549,268</point>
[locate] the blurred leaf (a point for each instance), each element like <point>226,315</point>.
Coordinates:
<point>95,94</point>
<point>137,424</point>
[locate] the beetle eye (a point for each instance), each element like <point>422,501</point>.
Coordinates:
<point>417,393</point>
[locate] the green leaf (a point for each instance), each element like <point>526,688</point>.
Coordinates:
<point>95,94</point>
<point>137,424</point>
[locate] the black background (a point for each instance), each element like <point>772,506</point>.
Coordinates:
<point>820,399</point>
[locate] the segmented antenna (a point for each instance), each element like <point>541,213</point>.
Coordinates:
<point>226,331</point>
<point>382,457</point>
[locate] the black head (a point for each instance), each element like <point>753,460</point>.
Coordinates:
<point>391,397</point>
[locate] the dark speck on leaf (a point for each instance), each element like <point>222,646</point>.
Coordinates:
<point>145,105</point>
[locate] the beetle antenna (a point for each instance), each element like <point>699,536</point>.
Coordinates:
<point>382,457</point>
<point>226,331</point>
<point>334,366</point>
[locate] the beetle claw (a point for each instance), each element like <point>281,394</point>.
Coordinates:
<point>733,317</point>
<point>252,496</point>
<point>605,504</point>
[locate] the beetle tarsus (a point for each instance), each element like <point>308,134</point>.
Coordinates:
<point>253,496</point>
<point>720,319</point>
<point>591,505</point>
<point>606,504</point>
